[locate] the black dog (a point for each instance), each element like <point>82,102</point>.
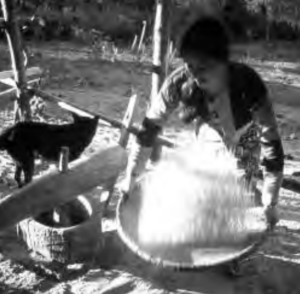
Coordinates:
<point>26,139</point>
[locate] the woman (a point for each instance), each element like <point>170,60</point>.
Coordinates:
<point>226,97</point>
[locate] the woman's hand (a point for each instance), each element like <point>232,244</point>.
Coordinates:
<point>272,217</point>
<point>127,185</point>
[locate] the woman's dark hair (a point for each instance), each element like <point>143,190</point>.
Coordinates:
<point>206,37</point>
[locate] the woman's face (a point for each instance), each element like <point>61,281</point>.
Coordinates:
<point>210,75</point>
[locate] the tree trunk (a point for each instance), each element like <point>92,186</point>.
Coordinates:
<point>265,13</point>
<point>13,35</point>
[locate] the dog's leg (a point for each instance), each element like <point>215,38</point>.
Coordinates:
<point>28,169</point>
<point>18,174</point>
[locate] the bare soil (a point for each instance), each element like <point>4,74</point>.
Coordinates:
<point>103,83</point>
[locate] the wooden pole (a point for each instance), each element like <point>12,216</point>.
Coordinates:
<point>123,140</point>
<point>13,35</point>
<point>142,36</point>
<point>160,48</point>
<point>134,43</point>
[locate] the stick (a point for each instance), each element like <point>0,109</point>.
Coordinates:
<point>134,43</point>
<point>142,35</point>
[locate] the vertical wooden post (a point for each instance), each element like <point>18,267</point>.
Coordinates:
<point>142,35</point>
<point>160,47</point>
<point>265,14</point>
<point>13,35</point>
<point>134,43</point>
<point>64,160</point>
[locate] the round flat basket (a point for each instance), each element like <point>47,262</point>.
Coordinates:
<point>181,257</point>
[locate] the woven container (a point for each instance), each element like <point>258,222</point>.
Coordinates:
<point>76,243</point>
<point>185,216</point>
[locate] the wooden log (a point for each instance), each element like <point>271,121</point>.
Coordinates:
<point>14,39</point>
<point>55,188</point>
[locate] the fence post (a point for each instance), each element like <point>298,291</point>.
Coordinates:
<point>14,40</point>
<point>160,47</point>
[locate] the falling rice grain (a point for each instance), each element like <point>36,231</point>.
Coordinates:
<point>197,200</point>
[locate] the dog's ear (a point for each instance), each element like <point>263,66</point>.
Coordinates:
<point>75,116</point>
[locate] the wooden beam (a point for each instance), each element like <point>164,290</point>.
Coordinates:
<point>14,39</point>
<point>55,188</point>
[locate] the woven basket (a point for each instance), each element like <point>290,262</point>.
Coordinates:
<point>187,258</point>
<point>179,242</point>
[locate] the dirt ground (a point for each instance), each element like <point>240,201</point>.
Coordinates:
<point>103,83</point>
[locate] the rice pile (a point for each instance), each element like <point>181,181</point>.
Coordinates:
<point>196,199</point>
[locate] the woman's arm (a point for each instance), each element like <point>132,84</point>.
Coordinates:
<point>156,117</point>
<point>272,155</point>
